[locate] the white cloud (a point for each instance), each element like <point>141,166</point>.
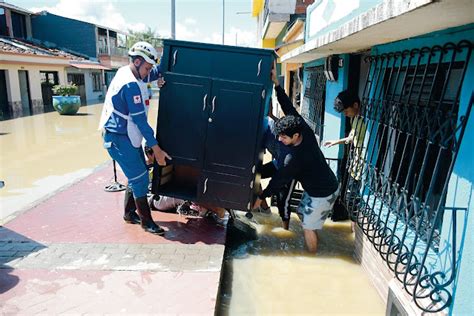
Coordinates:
<point>105,13</point>
<point>234,36</point>
<point>190,21</point>
<point>101,12</point>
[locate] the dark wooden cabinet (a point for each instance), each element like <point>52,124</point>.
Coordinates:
<point>210,121</point>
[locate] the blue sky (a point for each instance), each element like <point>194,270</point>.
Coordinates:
<point>197,20</point>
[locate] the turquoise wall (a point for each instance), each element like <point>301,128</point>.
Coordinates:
<point>461,182</point>
<point>333,122</point>
<point>330,9</point>
<point>460,190</point>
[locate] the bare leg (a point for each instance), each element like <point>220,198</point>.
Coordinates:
<point>311,239</point>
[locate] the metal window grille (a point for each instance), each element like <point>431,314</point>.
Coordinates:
<point>396,183</point>
<point>314,100</point>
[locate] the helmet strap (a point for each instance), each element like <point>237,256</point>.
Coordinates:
<point>137,68</point>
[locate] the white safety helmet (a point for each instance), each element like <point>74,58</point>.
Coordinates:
<point>144,50</point>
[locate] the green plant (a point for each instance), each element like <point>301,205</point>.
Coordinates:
<point>65,89</point>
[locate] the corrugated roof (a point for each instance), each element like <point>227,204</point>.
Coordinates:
<point>10,45</point>
<point>88,65</point>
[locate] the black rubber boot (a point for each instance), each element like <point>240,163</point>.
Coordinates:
<point>129,214</point>
<point>145,215</point>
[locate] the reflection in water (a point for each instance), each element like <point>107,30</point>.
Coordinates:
<point>275,275</point>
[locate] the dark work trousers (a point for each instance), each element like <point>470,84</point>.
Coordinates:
<point>283,197</point>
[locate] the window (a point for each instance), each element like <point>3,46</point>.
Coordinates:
<point>3,23</point>
<point>313,102</point>
<point>96,84</point>
<point>410,107</point>
<point>19,25</point>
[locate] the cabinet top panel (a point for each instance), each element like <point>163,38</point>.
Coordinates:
<point>218,61</point>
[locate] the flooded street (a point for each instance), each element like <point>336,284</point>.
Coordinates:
<point>274,275</point>
<point>42,153</point>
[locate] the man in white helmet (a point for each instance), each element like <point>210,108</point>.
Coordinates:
<point>125,124</point>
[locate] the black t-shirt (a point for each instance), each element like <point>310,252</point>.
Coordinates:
<point>306,163</point>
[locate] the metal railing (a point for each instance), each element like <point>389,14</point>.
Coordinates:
<point>396,182</point>
<point>313,106</point>
<point>114,51</point>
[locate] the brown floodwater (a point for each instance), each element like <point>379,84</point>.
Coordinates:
<point>274,275</point>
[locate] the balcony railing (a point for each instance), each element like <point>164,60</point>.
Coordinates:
<point>114,51</point>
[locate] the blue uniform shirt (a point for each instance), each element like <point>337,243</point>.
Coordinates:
<point>128,100</point>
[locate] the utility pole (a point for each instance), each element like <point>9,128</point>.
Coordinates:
<point>173,19</point>
<point>223,20</point>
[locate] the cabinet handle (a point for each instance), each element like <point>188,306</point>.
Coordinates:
<point>213,103</point>
<point>263,94</point>
<point>259,67</point>
<point>205,186</point>
<point>204,101</point>
<point>175,55</point>
<point>253,169</point>
<point>248,206</point>
<point>251,184</point>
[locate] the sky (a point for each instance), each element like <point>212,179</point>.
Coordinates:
<point>196,20</point>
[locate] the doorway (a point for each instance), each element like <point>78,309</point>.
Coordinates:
<point>78,80</point>
<point>4,107</point>
<point>48,80</point>
<point>25,93</point>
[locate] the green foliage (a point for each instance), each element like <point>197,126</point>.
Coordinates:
<point>65,89</point>
<point>149,36</point>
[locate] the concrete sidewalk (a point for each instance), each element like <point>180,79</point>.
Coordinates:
<point>74,254</point>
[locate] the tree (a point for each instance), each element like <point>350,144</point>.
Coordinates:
<point>149,36</point>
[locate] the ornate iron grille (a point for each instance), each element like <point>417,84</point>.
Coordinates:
<point>396,182</point>
<point>313,102</point>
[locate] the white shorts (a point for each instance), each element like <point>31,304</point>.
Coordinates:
<point>313,211</point>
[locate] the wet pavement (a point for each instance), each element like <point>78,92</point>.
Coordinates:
<point>64,247</point>
<point>44,153</point>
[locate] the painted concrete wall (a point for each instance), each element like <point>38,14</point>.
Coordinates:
<point>460,190</point>
<point>33,76</point>
<point>334,123</point>
<point>91,95</point>
<point>13,86</point>
<point>460,194</point>
<point>324,16</point>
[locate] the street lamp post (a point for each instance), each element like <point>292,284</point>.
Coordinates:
<point>173,22</point>
<point>223,20</point>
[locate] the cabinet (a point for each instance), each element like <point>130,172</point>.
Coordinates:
<point>210,121</point>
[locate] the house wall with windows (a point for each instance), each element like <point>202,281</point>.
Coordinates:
<point>93,84</point>
<point>414,232</point>
<point>34,66</point>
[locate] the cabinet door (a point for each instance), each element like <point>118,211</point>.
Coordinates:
<point>234,118</point>
<point>252,68</point>
<point>224,190</point>
<point>190,61</point>
<point>182,117</point>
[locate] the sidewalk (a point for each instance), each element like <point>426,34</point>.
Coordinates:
<point>72,253</point>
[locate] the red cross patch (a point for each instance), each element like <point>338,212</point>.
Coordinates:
<point>137,99</point>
